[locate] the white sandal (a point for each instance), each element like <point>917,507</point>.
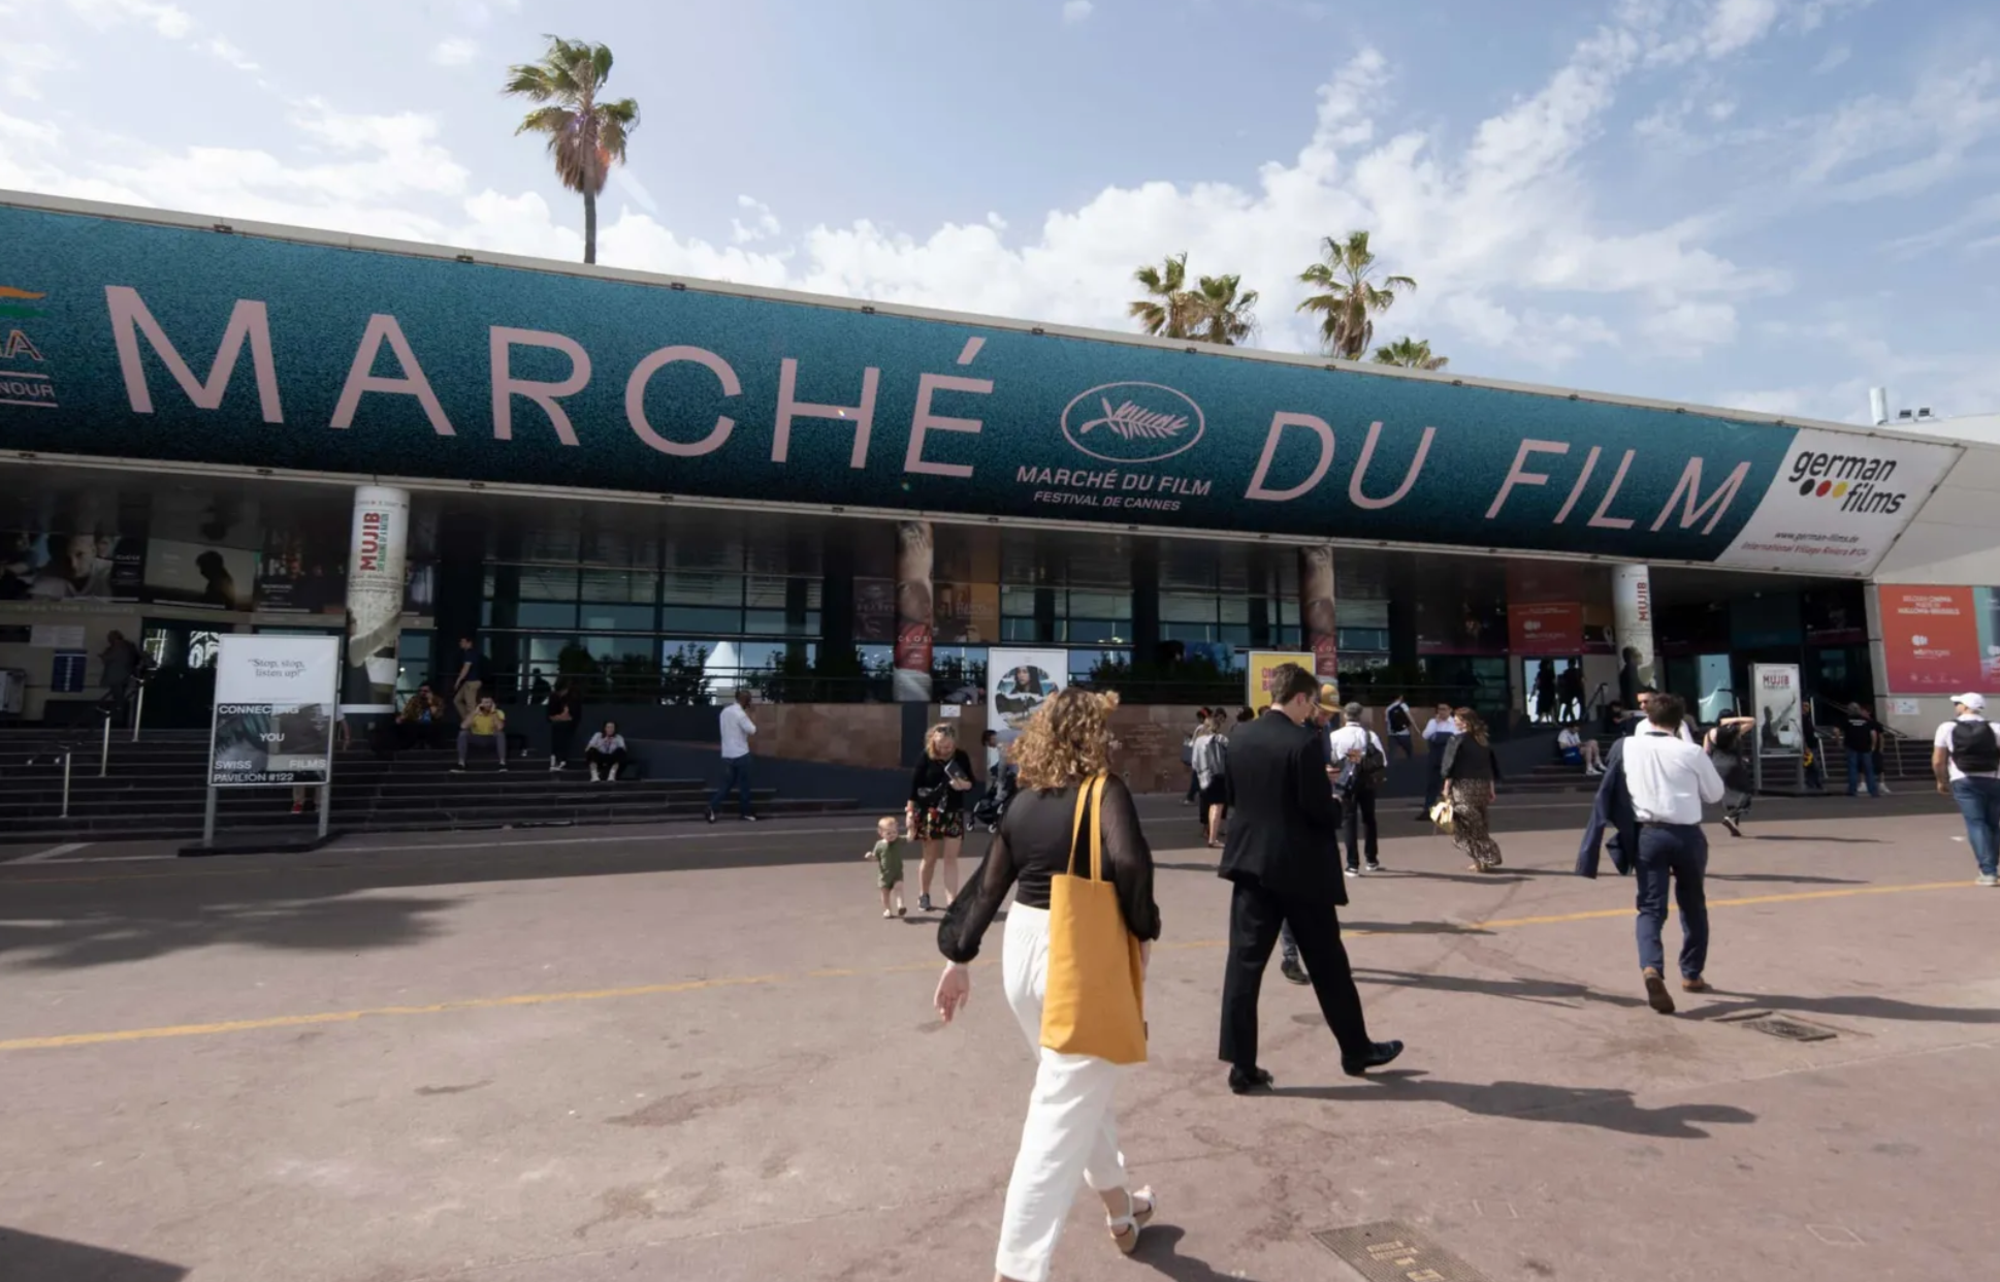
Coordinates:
<point>1125,1228</point>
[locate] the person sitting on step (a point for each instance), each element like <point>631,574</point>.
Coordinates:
<point>606,754</point>
<point>487,724</point>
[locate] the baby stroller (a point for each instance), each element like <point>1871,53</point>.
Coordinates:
<point>1000,790</point>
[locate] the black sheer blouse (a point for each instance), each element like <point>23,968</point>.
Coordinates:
<point>1033,845</point>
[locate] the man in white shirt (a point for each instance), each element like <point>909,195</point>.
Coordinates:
<point>1349,747</point>
<point>1437,733</point>
<point>1965,757</point>
<point>1669,779</point>
<point>737,727</point>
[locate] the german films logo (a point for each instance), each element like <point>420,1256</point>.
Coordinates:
<point>1854,482</point>
<point>23,381</point>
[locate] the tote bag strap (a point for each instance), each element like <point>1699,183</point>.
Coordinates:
<point>1089,797</point>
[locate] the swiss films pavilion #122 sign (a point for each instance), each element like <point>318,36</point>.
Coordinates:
<point>154,337</point>
<point>276,698</point>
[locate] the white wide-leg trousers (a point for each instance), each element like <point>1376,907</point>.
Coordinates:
<point>1071,1132</point>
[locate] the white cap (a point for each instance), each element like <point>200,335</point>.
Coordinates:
<point>1976,702</point>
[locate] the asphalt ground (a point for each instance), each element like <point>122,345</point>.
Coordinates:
<point>700,1053</point>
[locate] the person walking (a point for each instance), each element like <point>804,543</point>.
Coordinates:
<point>1071,1133</point>
<point>1326,709</point>
<point>935,812</point>
<point>1438,732</point>
<point>1862,736</point>
<point>1277,862</point>
<point>1211,768</point>
<point>606,754</point>
<point>122,662</point>
<point>1397,718</point>
<point>1729,745</point>
<point>564,709</point>
<point>1668,781</point>
<point>1360,762</point>
<point>1470,772</point>
<point>472,678</point>
<point>1965,757</point>
<point>1187,756</point>
<point>737,729</point>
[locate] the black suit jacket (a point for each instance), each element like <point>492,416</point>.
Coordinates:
<point>1614,824</point>
<point>1283,820</point>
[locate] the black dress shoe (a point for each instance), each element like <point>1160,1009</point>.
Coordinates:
<point>1379,1054</point>
<point>1292,971</point>
<point>1250,1083</point>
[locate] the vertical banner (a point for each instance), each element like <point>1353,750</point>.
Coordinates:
<point>1632,621</point>
<point>1017,683</point>
<point>1779,697</point>
<point>914,612</point>
<point>1930,638</point>
<point>1317,610</point>
<point>276,698</point>
<point>1257,681</point>
<point>377,549</point>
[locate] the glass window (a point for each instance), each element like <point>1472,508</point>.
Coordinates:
<point>683,618</point>
<point>1101,605</point>
<point>765,593</point>
<point>1015,628</point>
<point>547,583</point>
<point>775,623</point>
<point>702,589</point>
<point>1187,609</point>
<point>619,587</point>
<point>1235,609</point>
<point>1362,638</point>
<point>617,618</point>
<point>543,614</point>
<point>1017,601</point>
<point>1093,631</point>
<point>1188,631</point>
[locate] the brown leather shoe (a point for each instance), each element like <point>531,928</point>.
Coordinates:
<point>1695,985</point>
<point>1656,992</point>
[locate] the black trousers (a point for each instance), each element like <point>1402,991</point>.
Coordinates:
<point>1256,915</point>
<point>1357,826</point>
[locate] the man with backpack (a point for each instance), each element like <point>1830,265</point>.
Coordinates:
<point>1965,757</point>
<point>1360,764</point>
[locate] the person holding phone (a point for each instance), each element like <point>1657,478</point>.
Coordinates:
<point>935,814</point>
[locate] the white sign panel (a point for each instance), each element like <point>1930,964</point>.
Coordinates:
<point>56,636</point>
<point>1838,502</point>
<point>275,701</point>
<point>1778,690</point>
<point>1018,682</point>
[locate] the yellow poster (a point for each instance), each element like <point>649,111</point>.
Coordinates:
<point>1262,664</point>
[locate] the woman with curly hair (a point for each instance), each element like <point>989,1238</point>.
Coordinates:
<point>935,814</point>
<point>1071,1132</point>
<point>1470,770</point>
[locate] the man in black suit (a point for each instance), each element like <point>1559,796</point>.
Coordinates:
<point>1282,857</point>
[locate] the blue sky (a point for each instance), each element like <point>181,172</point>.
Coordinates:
<point>1771,204</point>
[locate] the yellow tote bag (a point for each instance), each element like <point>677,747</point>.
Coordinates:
<point>1094,1003</point>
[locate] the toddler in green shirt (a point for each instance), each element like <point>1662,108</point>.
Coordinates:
<point>888,856</point>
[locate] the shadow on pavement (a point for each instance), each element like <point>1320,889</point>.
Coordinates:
<point>1159,1250</point>
<point>1786,879</point>
<point>1545,991</point>
<point>30,1256</point>
<point>1857,1007</point>
<point>1608,1108</point>
<point>141,931</point>
<point>1411,928</point>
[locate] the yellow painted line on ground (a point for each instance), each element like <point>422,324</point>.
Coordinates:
<point>750,981</point>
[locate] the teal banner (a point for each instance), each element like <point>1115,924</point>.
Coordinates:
<point>141,340</point>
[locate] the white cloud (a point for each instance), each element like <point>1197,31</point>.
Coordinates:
<point>763,223</point>
<point>24,66</point>
<point>168,20</point>
<point>456,51</point>
<point>1683,329</point>
<point>1075,11</point>
<point>229,53</point>
<point>1878,146</point>
<point>1737,24</point>
<point>1835,59</point>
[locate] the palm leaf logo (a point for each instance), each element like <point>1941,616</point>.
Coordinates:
<point>1134,422</point>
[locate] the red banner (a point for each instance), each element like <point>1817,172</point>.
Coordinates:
<point>1548,627</point>
<point>1930,639</point>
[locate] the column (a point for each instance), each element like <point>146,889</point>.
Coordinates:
<point>377,549</point>
<point>1316,610</point>
<point>1146,648</point>
<point>1632,623</point>
<point>915,615</point>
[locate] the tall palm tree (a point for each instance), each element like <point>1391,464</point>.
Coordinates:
<point>1168,310</point>
<point>1410,353</point>
<point>1350,300</point>
<point>585,134</point>
<point>1223,311</point>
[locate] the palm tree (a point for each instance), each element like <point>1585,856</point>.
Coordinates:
<point>1168,310</point>
<point>585,135</point>
<point>1350,300</point>
<point>1224,312</point>
<point>1410,353</point>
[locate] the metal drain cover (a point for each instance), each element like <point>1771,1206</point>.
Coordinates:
<point>1391,1251</point>
<point>1792,1030</point>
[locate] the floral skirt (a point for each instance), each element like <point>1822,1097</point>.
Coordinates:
<point>1469,799</point>
<point>935,823</point>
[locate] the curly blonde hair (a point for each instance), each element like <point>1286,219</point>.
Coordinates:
<point>1067,741</point>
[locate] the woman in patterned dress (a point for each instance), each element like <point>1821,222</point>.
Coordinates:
<point>1470,770</point>
<point>935,815</point>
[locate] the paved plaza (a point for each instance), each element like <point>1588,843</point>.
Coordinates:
<point>695,1053</point>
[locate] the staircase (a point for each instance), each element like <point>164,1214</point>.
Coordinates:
<point>155,790</point>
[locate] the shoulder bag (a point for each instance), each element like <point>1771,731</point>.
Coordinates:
<point>1094,1000</point>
